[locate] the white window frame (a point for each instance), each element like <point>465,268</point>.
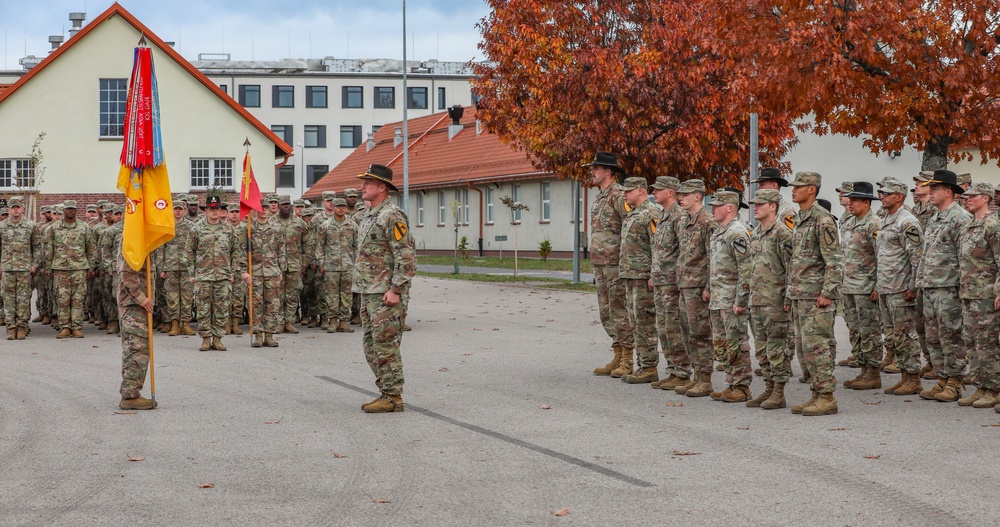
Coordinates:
<point>489,205</point>
<point>465,206</point>
<point>442,209</point>
<point>545,202</point>
<point>217,168</point>
<point>12,174</point>
<point>515,194</point>
<point>113,118</point>
<point>420,209</point>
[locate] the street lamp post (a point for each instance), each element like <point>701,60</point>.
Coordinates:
<point>303,152</point>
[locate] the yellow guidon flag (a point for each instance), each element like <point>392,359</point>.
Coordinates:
<point>148,219</point>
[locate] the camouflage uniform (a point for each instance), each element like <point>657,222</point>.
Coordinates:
<point>296,236</point>
<point>134,328</point>
<point>692,280</point>
<point>923,212</point>
<point>238,298</point>
<point>899,247</point>
<point>336,242</point>
<point>606,216</point>
<point>319,308</point>
<point>846,226</point>
<point>860,276</point>
<point>108,250</point>
<point>815,269</point>
<point>666,295</point>
<point>19,253</point>
<point>42,278</point>
<point>938,276</point>
<point>95,290</point>
<point>979,260</point>
<point>268,263</point>
<point>729,282</point>
<point>635,259</point>
<point>213,255</point>
<point>385,261</point>
<point>69,251</point>
<point>172,263</point>
<point>771,251</point>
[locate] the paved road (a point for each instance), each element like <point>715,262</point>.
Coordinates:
<point>562,275</point>
<point>474,446</point>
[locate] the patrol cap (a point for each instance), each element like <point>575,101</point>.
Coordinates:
<point>725,197</point>
<point>351,193</point>
<point>340,202</point>
<point>180,202</point>
<point>3,211</point>
<point>69,204</point>
<point>360,205</point>
<point>45,209</point>
<point>57,209</point>
<point>102,202</point>
<point>892,186</point>
<point>191,199</point>
<point>666,182</point>
<point>845,188</point>
<point>739,193</point>
<point>964,179</point>
<point>16,201</point>
<point>284,199</point>
<point>272,198</point>
<point>807,178</point>
<point>924,176</point>
<point>632,183</point>
<point>771,174</point>
<point>887,179</point>
<point>980,188</point>
<point>91,208</point>
<point>767,195</point>
<point>327,196</point>
<point>308,211</point>
<point>692,185</point>
<point>299,203</point>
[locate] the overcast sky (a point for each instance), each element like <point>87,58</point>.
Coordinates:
<point>266,29</point>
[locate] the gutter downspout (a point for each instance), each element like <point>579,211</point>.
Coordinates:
<point>469,183</point>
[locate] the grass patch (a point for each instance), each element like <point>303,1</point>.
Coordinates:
<point>544,283</point>
<point>532,264</point>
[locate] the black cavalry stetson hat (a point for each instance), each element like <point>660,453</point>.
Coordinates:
<point>945,177</point>
<point>739,193</point>
<point>380,173</point>
<point>606,159</point>
<point>862,190</point>
<point>771,174</point>
<point>212,202</point>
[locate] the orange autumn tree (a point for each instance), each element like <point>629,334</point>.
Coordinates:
<point>920,73</point>
<point>566,79</point>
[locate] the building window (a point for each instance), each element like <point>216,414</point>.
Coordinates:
<point>475,98</point>
<point>284,132</point>
<point>515,190</point>
<point>545,207</point>
<point>376,127</point>
<point>284,177</point>
<point>314,136</point>
<point>459,208</point>
<point>17,174</point>
<point>442,208</point>
<point>314,173</point>
<point>385,97</point>
<point>350,136</point>
<point>114,94</point>
<point>489,205</point>
<point>283,96</point>
<point>224,88</point>
<point>465,206</point>
<point>250,95</point>
<point>315,96</point>
<point>420,209</point>
<point>207,173</point>
<point>442,105</point>
<point>399,200</point>
<point>353,97</point>
<point>416,98</point>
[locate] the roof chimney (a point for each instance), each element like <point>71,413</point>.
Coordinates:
<point>77,19</point>
<point>455,112</point>
<point>398,138</point>
<point>371,142</point>
<point>55,40</point>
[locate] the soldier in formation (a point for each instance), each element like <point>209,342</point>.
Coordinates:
<point>69,251</point>
<point>335,246</point>
<point>19,256</point>
<point>267,263</point>
<point>634,264</point>
<point>214,256</point>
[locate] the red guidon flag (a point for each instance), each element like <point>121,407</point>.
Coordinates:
<point>250,192</point>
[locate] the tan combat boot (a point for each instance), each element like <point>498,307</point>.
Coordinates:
<point>114,328</point>
<point>22,333</point>
<point>385,404</point>
<point>643,376</point>
<point>186,329</point>
<point>625,366</point>
<point>77,334</point>
<point>757,401</point>
<point>46,320</point>
<point>911,386</point>
<point>804,379</point>
<point>972,398</point>
<point>797,409</point>
<point>902,380</point>
<point>871,379</point>
<point>689,383</point>
<point>236,326</point>
<point>175,328</point>
<point>11,333</point>
<point>64,333</point>
<point>217,344</point>
<point>825,404</point>
<point>314,322</point>
<point>736,394</point>
<point>968,380</point>
<point>777,398</point>
<point>703,387</point>
<point>324,323</point>
<point>927,372</point>
<point>846,362</point>
<point>290,328</point>
<point>373,401</point>
<point>890,358</point>
<point>258,340</point>
<point>610,367</point>
<point>934,390</point>
<point>139,403</point>
<point>951,392</point>
<point>269,341</point>
<point>206,344</point>
<point>850,382</point>
<point>229,326</point>
<point>102,325</point>
<point>671,382</point>
<point>344,327</point>
<point>989,400</point>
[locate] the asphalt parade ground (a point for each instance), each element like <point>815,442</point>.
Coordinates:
<point>504,425</point>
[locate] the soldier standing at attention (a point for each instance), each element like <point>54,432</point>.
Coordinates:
<point>606,217</point>
<point>635,260</point>
<point>939,276</point>
<point>268,262</point>
<point>923,210</point>
<point>692,280</point>
<point>383,272</point>
<point>309,290</point>
<point>192,207</point>
<point>41,280</point>
<point>320,309</point>
<point>19,254</point>
<point>239,287</point>
<point>298,256</point>
<point>173,269</point>
<point>214,256</point>
<point>351,196</point>
<point>133,306</point>
<point>979,259</point>
<point>771,251</point>
<point>729,284</point>
<point>336,242</point>
<point>70,250</point>
<point>858,291</point>
<point>663,279</point>
<point>815,274</point>
<point>846,223</point>
<point>106,246</point>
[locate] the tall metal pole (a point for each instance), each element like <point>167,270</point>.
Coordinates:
<point>406,128</point>
<point>754,162</point>
<point>576,234</point>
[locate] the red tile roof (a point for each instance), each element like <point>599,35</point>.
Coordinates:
<point>435,161</point>
<point>281,148</point>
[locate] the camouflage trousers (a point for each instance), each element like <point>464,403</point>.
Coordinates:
<point>982,330</point>
<point>943,330</point>
<point>853,333</point>
<point>770,338</point>
<point>668,329</point>
<point>309,291</point>
<point>696,328</point>
<point>611,304</point>
<point>337,289</point>
<point>899,326</point>
<point>813,336</point>
<point>213,306</point>
<point>42,300</point>
<point>15,290</point>
<point>861,313</point>
<point>921,329</point>
<point>730,342</point>
<point>110,297</point>
<point>179,294</point>
<point>71,290</point>
<point>160,302</point>
<point>356,306</point>
<point>267,314</point>
<point>238,298</point>
<point>291,289</point>
<point>135,350</point>
<point>319,307</point>
<point>641,309</point>
<point>383,334</point>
